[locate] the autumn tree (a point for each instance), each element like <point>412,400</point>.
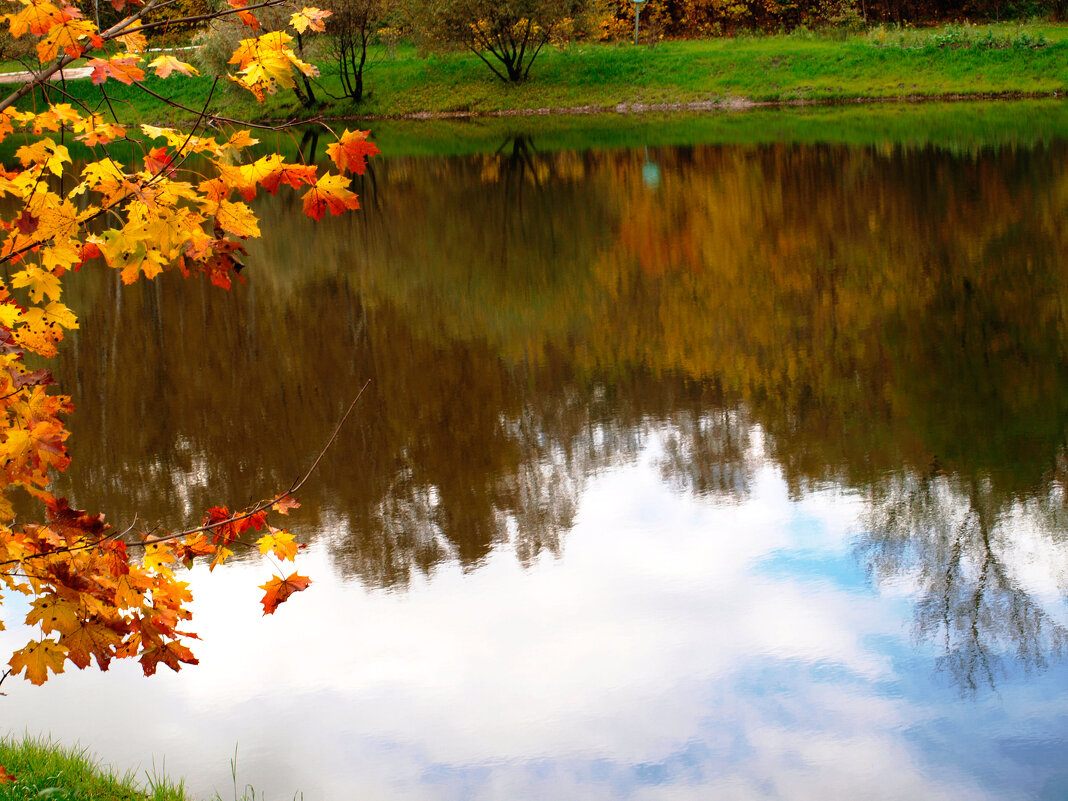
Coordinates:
<point>217,41</point>
<point>180,202</point>
<point>507,35</point>
<point>350,28</point>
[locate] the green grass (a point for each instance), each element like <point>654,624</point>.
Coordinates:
<point>44,770</point>
<point>799,67</point>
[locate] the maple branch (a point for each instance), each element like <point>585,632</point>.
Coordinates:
<point>260,507</point>
<point>43,76</point>
<point>193,130</point>
<point>227,120</point>
<point>212,16</point>
<point>280,496</point>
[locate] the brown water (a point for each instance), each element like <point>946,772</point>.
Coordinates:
<point>711,472</point>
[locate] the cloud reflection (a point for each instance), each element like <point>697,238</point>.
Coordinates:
<point>678,649</point>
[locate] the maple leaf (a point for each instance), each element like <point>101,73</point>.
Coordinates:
<point>309,18</point>
<point>351,151</point>
<point>193,547</point>
<point>172,654</point>
<point>122,68</point>
<point>237,219</point>
<point>5,777</point>
<point>331,192</point>
<point>133,39</point>
<point>37,18</point>
<point>245,16</point>
<point>295,175</point>
<point>283,506</point>
<point>31,378</point>
<point>72,523</point>
<point>166,65</point>
<point>44,152</point>
<point>98,132</point>
<point>40,282</point>
<point>242,139</point>
<point>37,658</point>
<point>67,37</point>
<point>129,590</point>
<point>53,614</point>
<point>91,639</point>
<point>280,543</point>
<point>278,589</point>
<point>26,223</point>
<point>158,556</point>
<point>157,160</point>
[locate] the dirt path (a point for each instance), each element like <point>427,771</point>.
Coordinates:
<point>70,74</point>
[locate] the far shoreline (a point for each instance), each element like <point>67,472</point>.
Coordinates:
<point>731,104</point>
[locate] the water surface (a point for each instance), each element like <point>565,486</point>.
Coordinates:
<point>710,471</point>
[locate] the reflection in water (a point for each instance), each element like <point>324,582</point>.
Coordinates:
<point>890,322</point>
<point>883,318</point>
<point>956,542</point>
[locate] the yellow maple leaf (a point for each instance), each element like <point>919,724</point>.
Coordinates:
<point>133,39</point>
<point>159,556</point>
<point>237,219</point>
<point>242,139</point>
<point>9,314</point>
<point>44,152</point>
<point>37,658</point>
<point>40,283</point>
<point>165,65</point>
<point>311,17</point>
<point>55,313</point>
<point>52,613</point>
<point>279,542</point>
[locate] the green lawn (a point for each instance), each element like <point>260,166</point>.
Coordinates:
<point>880,64</point>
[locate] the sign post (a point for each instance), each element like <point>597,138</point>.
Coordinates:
<point>637,13</point>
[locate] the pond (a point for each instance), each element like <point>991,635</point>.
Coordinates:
<point>694,470</point>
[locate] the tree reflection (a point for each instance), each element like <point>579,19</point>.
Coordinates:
<point>893,321</point>
<point>952,539</point>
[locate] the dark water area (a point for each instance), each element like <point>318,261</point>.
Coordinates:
<point>715,471</point>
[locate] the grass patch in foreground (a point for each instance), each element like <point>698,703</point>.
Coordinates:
<point>44,770</point>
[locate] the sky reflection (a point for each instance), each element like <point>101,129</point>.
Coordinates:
<point>678,648</point>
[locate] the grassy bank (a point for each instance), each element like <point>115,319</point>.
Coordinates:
<point>799,67</point>
<point>43,770</point>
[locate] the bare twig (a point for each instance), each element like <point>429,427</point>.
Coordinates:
<point>255,510</point>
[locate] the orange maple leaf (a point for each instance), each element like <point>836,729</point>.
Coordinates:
<point>172,654</point>
<point>331,192</point>
<point>5,777</point>
<point>122,68</point>
<point>279,589</point>
<point>292,174</point>
<point>351,151</point>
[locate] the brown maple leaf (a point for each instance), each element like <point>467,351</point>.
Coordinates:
<point>26,223</point>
